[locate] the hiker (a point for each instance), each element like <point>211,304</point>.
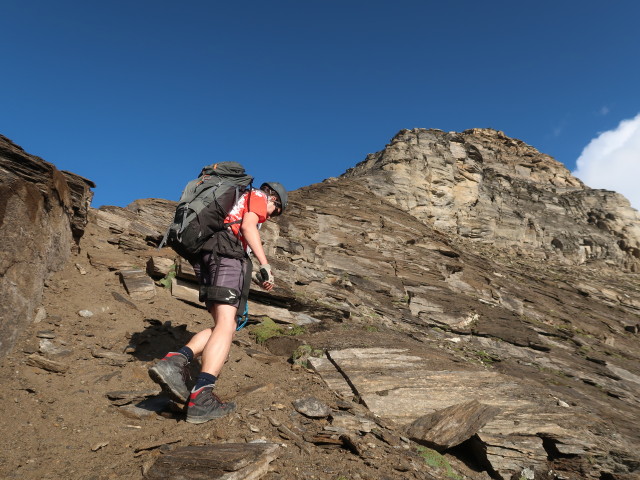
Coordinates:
<point>222,279</point>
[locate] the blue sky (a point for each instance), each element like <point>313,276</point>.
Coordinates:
<point>138,95</point>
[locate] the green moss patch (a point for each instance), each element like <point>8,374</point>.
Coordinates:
<point>268,329</point>
<point>435,460</point>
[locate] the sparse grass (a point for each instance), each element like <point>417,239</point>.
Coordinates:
<point>302,354</point>
<point>584,350</point>
<point>166,281</point>
<point>268,329</point>
<point>401,302</point>
<point>584,333</point>
<point>485,358</point>
<point>371,328</point>
<point>435,460</point>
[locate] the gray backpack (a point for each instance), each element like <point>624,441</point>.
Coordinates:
<point>204,205</point>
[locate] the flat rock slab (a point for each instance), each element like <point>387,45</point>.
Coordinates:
<point>401,388</point>
<point>158,267</point>
<point>227,461</point>
<point>276,314</point>
<point>110,260</point>
<point>44,363</point>
<point>138,284</point>
<point>451,426</point>
<point>184,290</point>
<point>280,315</point>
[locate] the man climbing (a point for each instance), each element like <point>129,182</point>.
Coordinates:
<point>224,279</point>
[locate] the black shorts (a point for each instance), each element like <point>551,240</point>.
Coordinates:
<point>215,271</point>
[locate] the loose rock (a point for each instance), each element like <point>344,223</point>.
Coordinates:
<point>46,364</point>
<point>312,407</point>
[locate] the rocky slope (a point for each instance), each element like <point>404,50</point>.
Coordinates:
<point>417,334</point>
<point>42,217</point>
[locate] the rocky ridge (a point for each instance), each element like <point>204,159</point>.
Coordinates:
<point>509,366</point>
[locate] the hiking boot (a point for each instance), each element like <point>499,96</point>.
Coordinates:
<point>204,405</point>
<point>172,374</point>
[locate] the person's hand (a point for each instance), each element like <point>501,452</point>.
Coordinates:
<point>266,275</point>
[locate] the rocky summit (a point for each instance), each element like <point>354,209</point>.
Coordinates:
<point>482,185</point>
<point>454,306</point>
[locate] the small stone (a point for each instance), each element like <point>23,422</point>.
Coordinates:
<point>46,334</point>
<point>312,407</point>
<point>41,314</point>
<point>527,474</point>
<point>563,404</point>
<point>274,422</point>
<point>98,446</point>
<point>48,348</point>
<point>85,313</point>
<point>81,269</point>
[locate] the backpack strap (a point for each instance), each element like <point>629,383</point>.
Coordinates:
<point>243,306</point>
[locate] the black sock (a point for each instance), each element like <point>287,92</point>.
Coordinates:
<point>187,352</point>
<point>205,379</point>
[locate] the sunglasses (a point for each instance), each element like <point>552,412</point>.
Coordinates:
<point>278,206</point>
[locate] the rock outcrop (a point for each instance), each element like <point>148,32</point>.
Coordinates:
<point>43,212</point>
<point>482,185</point>
<point>140,225</point>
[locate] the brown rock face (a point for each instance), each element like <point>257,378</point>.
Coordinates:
<point>482,185</point>
<point>42,217</point>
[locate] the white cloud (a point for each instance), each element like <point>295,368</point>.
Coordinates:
<point>612,161</point>
<point>604,110</point>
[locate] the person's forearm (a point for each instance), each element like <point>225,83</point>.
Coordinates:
<point>252,236</point>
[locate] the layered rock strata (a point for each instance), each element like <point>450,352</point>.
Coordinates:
<point>43,212</point>
<point>482,185</point>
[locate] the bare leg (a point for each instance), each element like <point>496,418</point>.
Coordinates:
<point>216,349</point>
<point>199,340</point>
